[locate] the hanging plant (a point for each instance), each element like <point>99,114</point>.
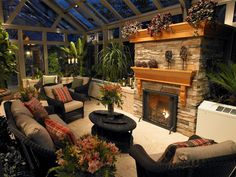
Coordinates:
<point>203,10</point>
<point>159,23</point>
<point>130,29</point>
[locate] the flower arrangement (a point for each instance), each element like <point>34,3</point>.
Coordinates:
<point>27,93</point>
<point>202,10</point>
<point>130,29</point>
<point>159,23</point>
<point>90,157</point>
<point>111,94</point>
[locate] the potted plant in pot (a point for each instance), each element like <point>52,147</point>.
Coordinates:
<point>114,62</point>
<point>76,53</point>
<point>7,57</point>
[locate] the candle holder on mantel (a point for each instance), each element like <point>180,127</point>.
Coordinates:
<point>168,56</point>
<point>183,55</point>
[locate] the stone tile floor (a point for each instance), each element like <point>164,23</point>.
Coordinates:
<point>153,138</point>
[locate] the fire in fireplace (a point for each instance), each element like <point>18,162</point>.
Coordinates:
<point>160,108</point>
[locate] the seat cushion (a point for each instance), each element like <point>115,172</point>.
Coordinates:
<point>37,110</point>
<point>77,82</point>
<point>33,130</point>
<point>203,152</point>
<point>62,94</point>
<point>48,90</point>
<point>59,132</point>
<point>17,108</point>
<point>50,79</point>
<point>73,105</point>
<point>169,153</point>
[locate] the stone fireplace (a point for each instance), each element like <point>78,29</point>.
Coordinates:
<point>160,108</point>
<point>201,49</point>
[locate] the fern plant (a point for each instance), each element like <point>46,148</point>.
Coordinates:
<point>225,78</point>
<point>114,62</point>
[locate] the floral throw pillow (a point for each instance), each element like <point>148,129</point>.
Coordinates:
<point>36,108</point>
<point>62,94</point>
<point>59,132</point>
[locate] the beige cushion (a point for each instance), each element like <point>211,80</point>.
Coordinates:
<point>73,105</point>
<point>36,132</point>
<point>85,79</point>
<point>18,108</point>
<point>203,152</point>
<point>48,79</point>
<point>48,90</point>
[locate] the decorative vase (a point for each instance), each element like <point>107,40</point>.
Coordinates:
<point>110,109</point>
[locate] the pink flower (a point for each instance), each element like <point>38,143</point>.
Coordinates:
<point>93,166</point>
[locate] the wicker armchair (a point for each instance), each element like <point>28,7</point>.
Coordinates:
<point>212,167</point>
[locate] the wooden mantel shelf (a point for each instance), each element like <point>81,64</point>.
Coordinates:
<point>183,78</point>
<point>183,30</point>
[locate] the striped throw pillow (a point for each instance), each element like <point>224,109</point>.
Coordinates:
<point>62,94</point>
<point>59,132</point>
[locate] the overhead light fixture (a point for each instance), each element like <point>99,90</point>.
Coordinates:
<point>76,5</point>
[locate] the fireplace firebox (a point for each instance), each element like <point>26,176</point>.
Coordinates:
<point>160,108</point>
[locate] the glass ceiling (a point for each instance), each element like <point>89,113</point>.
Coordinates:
<point>37,13</point>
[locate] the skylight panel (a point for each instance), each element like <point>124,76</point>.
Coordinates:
<point>82,19</point>
<point>167,3</point>
<point>65,25</point>
<point>9,7</point>
<point>102,10</point>
<point>145,5</point>
<point>63,4</point>
<point>121,8</point>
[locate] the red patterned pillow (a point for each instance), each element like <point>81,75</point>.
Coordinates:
<point>59,132</point>
<point>62,94</point>
<point>36,108</point>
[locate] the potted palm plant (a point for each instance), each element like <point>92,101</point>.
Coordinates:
<point>77,52</point>
<point>114,62</point>
<point>7,57</point>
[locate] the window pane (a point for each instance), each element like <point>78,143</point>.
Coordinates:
<point>115,33</point>
<point>63,4</point>
<point>56,60</point>
<point>13,33</point>
<point>35,13</point>
<point>220,13</point>
<point>9,7</point>
<point>82,19</point>
<point>55,37</point>
<point>144,6</point>
<point>74,37</point>
<point>121,8</point>
<point>102,10</point>
<point>32,35</point>
<point>100,36</point>
<point>34,62</point>
<point>167,3</point>
<point>177,18</point>
<point>65,25</point>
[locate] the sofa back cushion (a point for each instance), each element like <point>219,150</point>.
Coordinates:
<point>62,94</point>
<point>18,108</point>
<point>85,79</point>
<point>33,130</point>
<point>77,82</point>
<point>48,90</point>
<point>50,79</point>
<point>203,152</point>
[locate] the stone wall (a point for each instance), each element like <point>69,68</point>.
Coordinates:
<point>200,51</point>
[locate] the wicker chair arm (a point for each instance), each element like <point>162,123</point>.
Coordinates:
<point>78,96</point>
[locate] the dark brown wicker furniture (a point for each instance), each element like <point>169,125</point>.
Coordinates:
<point>117,130</point>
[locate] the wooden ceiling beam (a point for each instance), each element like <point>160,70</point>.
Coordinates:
<point>132,7</point>
<point>16,11</point>
<point>157,3</point>
<point>107,5</point>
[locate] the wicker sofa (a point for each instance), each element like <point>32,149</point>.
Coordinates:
<point>221,166</point>
<point>39,153</point>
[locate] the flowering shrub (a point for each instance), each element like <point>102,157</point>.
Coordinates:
<point>111,94</point>
<point>89,157</point>
<point>130,29</point>
<point>202,10</point>
<point>159,23</point>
